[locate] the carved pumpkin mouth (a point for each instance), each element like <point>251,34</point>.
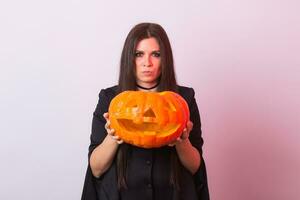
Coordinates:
<point>147,128</point>
<point>146,124</point>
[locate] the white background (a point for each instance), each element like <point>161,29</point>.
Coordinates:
<point>240,56</point>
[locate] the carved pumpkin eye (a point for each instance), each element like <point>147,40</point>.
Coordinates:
<point>148,119</point>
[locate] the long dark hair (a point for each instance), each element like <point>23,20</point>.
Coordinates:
<point>127,77</point>
<point>127,81</point>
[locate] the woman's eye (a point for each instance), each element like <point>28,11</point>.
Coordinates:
<point>156,54</point>
<point>138,54</point>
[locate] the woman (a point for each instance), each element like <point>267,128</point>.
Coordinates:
<point>121,171</point>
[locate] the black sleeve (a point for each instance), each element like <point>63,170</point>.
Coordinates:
<point>200,177</point>
<point>97,136</point>
<point>98,123</point>
<point>196,133</point>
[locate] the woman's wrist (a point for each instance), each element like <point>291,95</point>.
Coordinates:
<point>184,143</point>
<point>112,140</point>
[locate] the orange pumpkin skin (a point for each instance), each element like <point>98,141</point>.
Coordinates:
<point>148,119</point>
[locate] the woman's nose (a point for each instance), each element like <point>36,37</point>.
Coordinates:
<point>147,61</point>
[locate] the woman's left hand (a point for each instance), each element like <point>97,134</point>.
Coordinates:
<point>185,134</point>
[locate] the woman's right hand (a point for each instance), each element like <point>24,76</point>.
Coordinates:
<point>103,155</point>
<point>111,132</point>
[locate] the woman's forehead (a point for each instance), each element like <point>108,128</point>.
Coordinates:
<point>148,44</point>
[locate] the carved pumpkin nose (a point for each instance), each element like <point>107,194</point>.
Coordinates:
<point>149,116</point>
<point>148,119</point>
<point>149,113</point>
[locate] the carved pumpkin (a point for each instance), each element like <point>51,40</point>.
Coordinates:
<point>148,119</point>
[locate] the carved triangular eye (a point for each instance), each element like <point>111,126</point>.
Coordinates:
<point>149,113</point>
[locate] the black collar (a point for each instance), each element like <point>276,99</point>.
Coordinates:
<point>141,87</point>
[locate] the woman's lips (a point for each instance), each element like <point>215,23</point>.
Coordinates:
<point>147,73</point>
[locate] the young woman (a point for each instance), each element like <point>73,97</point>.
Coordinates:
<point>118,170</point>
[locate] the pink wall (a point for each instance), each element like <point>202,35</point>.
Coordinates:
<point>248,92</point>
<point>241,57</point>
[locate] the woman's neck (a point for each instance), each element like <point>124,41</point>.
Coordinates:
<point>147,88</point>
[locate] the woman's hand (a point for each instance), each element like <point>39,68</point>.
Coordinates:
<point>104,154</point>
<point>188,155</point>
<point>111,132</point>
<point>185,134</point>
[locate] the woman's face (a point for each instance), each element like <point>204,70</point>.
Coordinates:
<point>147,62</point>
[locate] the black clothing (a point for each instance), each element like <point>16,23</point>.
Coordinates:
<point>148,170</point>
<point>148,173</point>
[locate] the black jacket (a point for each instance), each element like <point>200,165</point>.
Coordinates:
<point>105,187</point>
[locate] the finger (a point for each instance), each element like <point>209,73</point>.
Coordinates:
<point>107,125</point>
<point>111,131</point>
<point>184,137</point>
<point>183,132</point>
<point>179,139</point>
<point>172,143</point>
<point>115,137</point>
<point>105,115</point>
<point>120,141</point>
<point>189,126</point>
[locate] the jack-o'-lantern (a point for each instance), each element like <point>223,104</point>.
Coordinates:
<point>148,119</point>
